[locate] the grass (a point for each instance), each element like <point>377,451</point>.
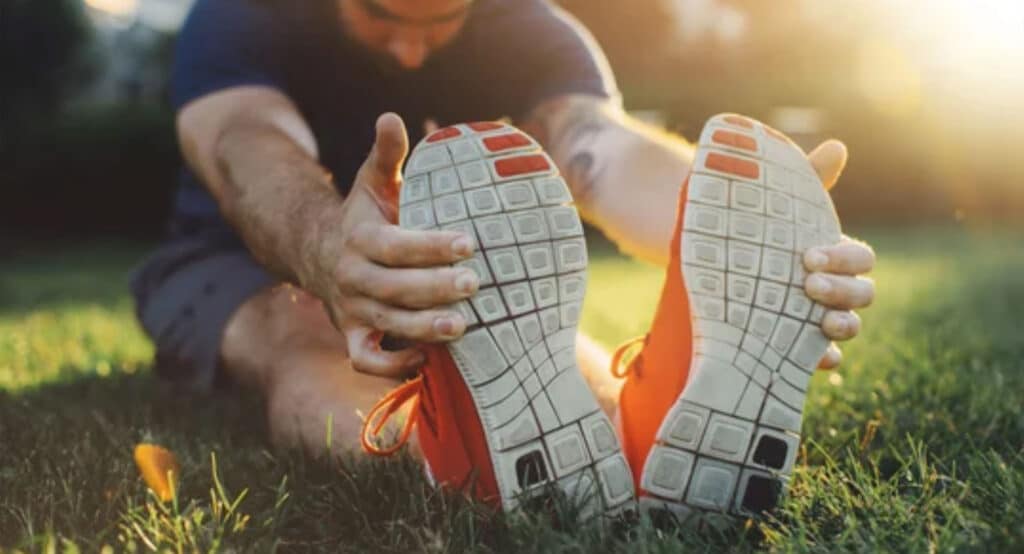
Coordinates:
<point>917,445</point>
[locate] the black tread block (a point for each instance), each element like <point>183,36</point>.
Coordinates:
<point>771,452</point>
<point>530,469</point>
<point>762,494</point>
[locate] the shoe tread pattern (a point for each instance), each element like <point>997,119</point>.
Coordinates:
<point>518,355</point>
<point>754,206</point>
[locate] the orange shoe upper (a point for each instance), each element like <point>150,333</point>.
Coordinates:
<point>448,427</point>
<point>656,376</point>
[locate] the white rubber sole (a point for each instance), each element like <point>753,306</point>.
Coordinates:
<point>730,442</point>
<point>518,357</point>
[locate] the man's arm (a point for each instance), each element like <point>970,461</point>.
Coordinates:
<point>257,156</point>
<point>258,159</point>
<point>626,176</point>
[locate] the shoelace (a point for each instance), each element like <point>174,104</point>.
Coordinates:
<point>619,369</point>
<point>387,407</point>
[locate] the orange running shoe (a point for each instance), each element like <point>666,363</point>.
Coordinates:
<point>504,409</point>
<point>712,405</point>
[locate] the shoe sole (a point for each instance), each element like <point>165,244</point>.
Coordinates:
<point>754,205</point>
<point>518,355</point>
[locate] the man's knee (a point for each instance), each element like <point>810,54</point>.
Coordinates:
<point>277,324</point>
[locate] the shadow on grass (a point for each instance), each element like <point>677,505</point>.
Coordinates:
<point>44,276</point>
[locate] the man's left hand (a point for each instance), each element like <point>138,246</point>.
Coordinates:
<point>835,273</point>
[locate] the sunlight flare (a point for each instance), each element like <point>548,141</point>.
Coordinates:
<point>116,8</point>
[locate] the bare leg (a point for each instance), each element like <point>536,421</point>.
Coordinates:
<point>282,342</point>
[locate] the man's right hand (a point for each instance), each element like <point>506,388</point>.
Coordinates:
<point>375,277</point>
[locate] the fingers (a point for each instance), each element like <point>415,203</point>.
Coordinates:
<point>840,292</point>
<point>368,357</point>
<point>418,288</point>
<point>390,147</point>
<point>846,258</point>
<point>380,174</point>
<point>840,325</point>
<point>832,358</point>
<point>414,325</point>
<point>393,246</point>
<point>828,160</point>
<point>833,269</point>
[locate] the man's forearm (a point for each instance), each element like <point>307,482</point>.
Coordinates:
<point>275,194</point>
<point>624,175</point>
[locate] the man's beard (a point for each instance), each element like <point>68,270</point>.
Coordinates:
<point>385,64</point>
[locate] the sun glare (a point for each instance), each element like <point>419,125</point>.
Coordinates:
<point>981,57</point>
<point>116,8</point>
<point>965,55</point>
<point>989,32</point>
<point>996,26</point>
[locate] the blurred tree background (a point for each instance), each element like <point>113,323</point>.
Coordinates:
<point>84,149</point>
<point>53,31</point>
<point>928,145</point>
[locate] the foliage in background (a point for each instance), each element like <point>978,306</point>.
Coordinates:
<point>70,166</point>
<point>99,169</point>
<point>112,169</point>
<point>44,56</point>
<point>928,163</point>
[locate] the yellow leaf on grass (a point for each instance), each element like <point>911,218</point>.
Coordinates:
<point>159,469</point>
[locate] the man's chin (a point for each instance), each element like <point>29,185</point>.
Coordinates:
<point>383,63</point>
<point>389,68</point>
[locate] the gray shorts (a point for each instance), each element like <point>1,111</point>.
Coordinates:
<point>185,292</point>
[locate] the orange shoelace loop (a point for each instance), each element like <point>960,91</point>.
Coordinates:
<point>382,412</point>
<point>620,367</point>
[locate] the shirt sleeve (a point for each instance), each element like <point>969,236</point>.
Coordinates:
<point>223,44</point>
<point>543,52</point>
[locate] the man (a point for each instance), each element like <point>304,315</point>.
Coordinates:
<point>278,106</point>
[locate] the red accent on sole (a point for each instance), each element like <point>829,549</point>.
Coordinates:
<point>739,121</point>
<point>733,165</point>
<point>521,164</point>
<point>446,133</point>
<point>481,126</point>
<point>506,142</point>
<point>736,140</point>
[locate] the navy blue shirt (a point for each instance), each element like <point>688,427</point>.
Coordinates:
<point>509,56</point>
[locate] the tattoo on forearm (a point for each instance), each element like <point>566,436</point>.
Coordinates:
<point>575,142</point>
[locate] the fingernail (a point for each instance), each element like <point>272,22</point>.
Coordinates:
<point>462,246</point>
<point>446,326</point>
<point>467,282</point>
<point>816,260</point>
<point>841,325</point>
<point>818,285</point>
<point>417,360</point>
